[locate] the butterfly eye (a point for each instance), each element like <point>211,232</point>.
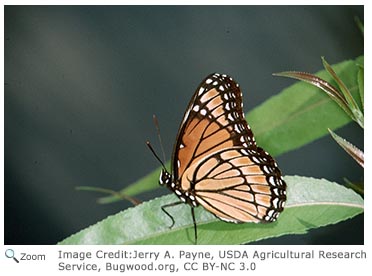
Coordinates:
<point>165,178</point>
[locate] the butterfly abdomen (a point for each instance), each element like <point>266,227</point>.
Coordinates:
<point>186,196</point>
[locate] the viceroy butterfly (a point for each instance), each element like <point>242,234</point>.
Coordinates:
<point>216,162</point>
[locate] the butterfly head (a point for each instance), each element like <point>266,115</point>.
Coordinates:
<point>165,178</point>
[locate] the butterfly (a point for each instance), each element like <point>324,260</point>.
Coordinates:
<point>216,162</point>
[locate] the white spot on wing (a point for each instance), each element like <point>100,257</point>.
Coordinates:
<point>254,158</point>
<point>245,152</point>
<point>237,129</point>
<point>266,169</point>
<point>275,202</point>
<point>270,213</point>
<point>272,180</point>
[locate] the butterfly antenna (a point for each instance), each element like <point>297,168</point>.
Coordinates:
<point>156,123</point>
<point>154,153</point>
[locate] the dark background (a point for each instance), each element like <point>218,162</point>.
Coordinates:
<point>82,83</point>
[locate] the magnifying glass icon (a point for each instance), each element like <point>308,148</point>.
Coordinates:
<point>9,253</point>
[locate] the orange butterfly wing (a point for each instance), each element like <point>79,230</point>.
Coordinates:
<point>240,185</point>
<point>213,120</point>
<point>216,162</point>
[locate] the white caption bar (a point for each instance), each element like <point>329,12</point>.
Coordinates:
<point>179,260</point>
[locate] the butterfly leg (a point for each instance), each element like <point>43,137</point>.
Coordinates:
<point>169,215</point>
<point>193,219</point>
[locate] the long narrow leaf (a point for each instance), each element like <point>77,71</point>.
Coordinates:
<point>359,24</point>
<point>147,224</point>
<point>115,194</point>
<point>352,150</point>
<point>357,114</point>
<point>345,91</point>
<point>320,83</point>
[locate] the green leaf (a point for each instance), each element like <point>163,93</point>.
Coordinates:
<point>311,203</point>
<point>361,84</point>
<point>359,24</point>
<point>322,84</point>
<point>353,106</point>
<point>347,95</point>
<point>295,117</point>
<point>301,114</point>
<point>352,150</point>
<point>356,186</point>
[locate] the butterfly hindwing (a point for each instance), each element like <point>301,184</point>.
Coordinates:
<point>240,185</point>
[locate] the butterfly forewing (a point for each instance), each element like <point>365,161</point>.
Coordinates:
<point>213,120</point>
